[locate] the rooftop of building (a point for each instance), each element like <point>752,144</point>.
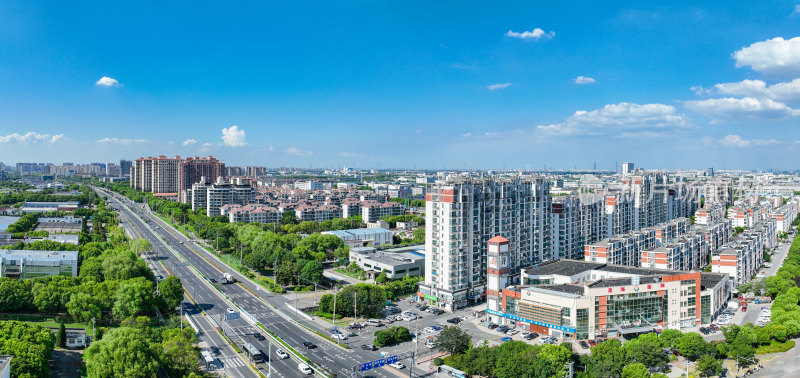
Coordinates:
<point>612,282</point>
<point>387,258</point>
<point>564,267</point>
<point>708,280</point>
<point>563,288</point>
<point>40,255</point>
<point>356,232</point>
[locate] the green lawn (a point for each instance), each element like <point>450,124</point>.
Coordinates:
<point>48,321</point>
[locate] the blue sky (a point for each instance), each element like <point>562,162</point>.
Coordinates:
<point>403,84</point>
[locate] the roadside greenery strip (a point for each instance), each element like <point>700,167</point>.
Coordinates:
<point>275,338</point>
<point>321,334</point>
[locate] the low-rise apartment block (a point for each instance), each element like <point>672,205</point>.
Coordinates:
<point>395,264</point>
<point>251,213</point>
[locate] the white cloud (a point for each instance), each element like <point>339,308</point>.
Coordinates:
<point>775,56</point>
<point>734,108</point>
<point>584,80</point>
<point>30,137</point>
<point>495,87</point>
<point>734,140</point>
<point>348,154</point>
<point>189,142</point>
<point>106,81</point>
<point>271,148</point>
<point>298,152</point>
<point>534,34</point>
<point>785,92</point>
<point>121,141</point>
<point>614,119</point>
<point>233,137</point>
<point>699,90</point>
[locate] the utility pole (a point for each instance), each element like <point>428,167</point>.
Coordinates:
<point>416,344</point>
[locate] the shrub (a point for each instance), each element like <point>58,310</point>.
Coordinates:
<point>438,361</point>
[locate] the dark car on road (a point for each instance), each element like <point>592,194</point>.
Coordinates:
<point>369,347</point>
<point>309,345</point>
<point>584,344</point>
<point>259,336</point>
<point>454,320</point>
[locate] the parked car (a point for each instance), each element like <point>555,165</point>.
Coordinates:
<point>504,339</point>
<point>583,344</point>
<point>309,345</point>
<point>338,336</point>
<point>492,326</point>
<point>592,342</point>
<point>512,332</point>
<point>531,336</point>
<point>423,307</point>
<point>502,329</point>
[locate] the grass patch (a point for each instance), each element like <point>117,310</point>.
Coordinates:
<point>48,321</point>
<point>269,284</point>
<point>349,274</point>
<point>340,319</point>
<point>775,347</point>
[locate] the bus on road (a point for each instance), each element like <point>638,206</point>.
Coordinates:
<point>253,353</point>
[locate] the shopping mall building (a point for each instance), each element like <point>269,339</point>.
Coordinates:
<point>585,300</point>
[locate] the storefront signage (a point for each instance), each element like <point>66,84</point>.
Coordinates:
<point>520,319</point>
<point>426,296</point>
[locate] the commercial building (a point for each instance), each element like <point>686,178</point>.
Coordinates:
<point>361,237</point>
<point>308,185</point>
<point>581,300</point>
<point>30,264</point>
<point>395,264</point>
<point>125,167</point>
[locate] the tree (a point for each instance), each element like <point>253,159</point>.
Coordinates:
<point>140,246</point>
<point>133,297</point>
<point>31,346</point>
<point>419,235</point>
<point>553,360</point>
<point>708,365</point>
<point>288,217</point>
<point>635,370</point>
<point>691,345</point>
<point>15,295</point>
<point>453,340</point>
<point>61,338</point>
<point>122,352</point>
<point>83,307</point>
<point>171,292</point>
<point>647,350</point>
<point>382,278</point>
<point>178,352</point>
<point>285,275</point>
<point>668,337</point>
<point>607,359</point>
<point>482,360</point>
<point>312,271</point>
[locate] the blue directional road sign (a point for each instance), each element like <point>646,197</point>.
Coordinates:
<point>379,363</point>
<point>391,360</point>
<point>366,366</point>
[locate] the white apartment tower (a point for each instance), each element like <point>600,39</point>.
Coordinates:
<point>462,214</point>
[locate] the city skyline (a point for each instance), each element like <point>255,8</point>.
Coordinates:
<point>513,85</point>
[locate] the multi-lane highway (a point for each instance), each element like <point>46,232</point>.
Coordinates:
<point>195,267</point>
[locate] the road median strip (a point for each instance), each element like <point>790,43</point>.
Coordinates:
<point>322,335</point>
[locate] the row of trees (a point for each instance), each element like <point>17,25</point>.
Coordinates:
<point>391,336</point>
<point>367,299</point>
<point>30,344</point>
<point>86,196</point>
<point>139,349</point>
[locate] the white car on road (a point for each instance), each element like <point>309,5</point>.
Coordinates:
<point>397,365</point>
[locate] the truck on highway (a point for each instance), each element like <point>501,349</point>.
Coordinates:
<point>227,278</point>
